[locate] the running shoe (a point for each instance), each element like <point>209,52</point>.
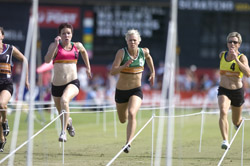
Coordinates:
<point>127,149</point>
<point>225,145</point>
<point>2,145</point>
<point>70,128</point>
<point>62,137</point>
<point>6,129</point>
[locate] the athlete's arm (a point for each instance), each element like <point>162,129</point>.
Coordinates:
<point>116,68</point>
<point>150,64</point>
<point>52,50</point>
<point>243,65</point>
<point>220,55</point>
<point>17,54</point>
<point>85,58</point>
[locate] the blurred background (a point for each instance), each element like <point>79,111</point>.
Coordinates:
<point>203,26</point>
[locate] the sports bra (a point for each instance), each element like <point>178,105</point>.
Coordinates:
<point>137,66</point>
<point>65,56</point>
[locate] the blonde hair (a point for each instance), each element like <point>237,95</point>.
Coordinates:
<point>234,34</point>
<point>133,32</point>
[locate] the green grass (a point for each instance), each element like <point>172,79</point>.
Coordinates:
<point>95,144</point>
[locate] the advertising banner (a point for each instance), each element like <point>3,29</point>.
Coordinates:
<point>52,17</point>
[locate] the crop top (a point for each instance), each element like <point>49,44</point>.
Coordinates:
<point>137,66</point>
<point>64,56</point>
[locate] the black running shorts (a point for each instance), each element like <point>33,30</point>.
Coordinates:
<point>57,91</point>
<point>236,96</point>
<point>122,96</point>
<point>6,84</point>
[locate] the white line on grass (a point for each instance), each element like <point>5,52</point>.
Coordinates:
<point>225,153</point>
<point>10,154</point>
<point>118,154</point>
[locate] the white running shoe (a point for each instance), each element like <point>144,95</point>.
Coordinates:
<point>70,128</point>
<point>62,137</point>
<point>224,145</point>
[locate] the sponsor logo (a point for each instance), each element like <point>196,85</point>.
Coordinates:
<point>52,17</point>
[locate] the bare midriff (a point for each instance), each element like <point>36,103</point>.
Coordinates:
<point>64,73</point>
<point>231,82</point>
<point>129,81</point>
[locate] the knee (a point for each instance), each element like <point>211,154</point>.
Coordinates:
<point>122,120</point>
<point>237,122</point>
<point>64,102</point>
<point>223,114</point>
<point>132,115</point>
<point>3,106</point>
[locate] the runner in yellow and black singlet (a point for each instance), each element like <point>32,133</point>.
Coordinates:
<point>233,65</point>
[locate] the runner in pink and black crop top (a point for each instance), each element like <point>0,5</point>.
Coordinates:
<point>64,56</point>
<point>65,84</point>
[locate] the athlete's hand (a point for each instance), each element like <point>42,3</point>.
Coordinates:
<point>151,79</point>
<point>58,40</point>
<point>27,84</point>
<point>233,52</point>
<point>128,63</point>
<point>88,72</point>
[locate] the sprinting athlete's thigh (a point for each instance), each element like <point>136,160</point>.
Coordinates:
<point>122,111</point>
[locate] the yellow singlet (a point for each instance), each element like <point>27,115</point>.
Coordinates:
<point>230,68</point>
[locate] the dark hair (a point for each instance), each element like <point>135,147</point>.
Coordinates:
<point>65,25</point>
<point>1,29</point>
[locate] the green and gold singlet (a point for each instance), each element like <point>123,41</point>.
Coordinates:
<point>137,66</point>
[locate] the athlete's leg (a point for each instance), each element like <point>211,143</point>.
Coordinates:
<point>236,115</point>
<point>69,93</point>
<point>224,105</point>
<point>122,111</point>
<point>4,99</point>
<point>57,103</point>
<point>133,107</point>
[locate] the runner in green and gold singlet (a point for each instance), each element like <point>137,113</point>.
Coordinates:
<point>129,64</point>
